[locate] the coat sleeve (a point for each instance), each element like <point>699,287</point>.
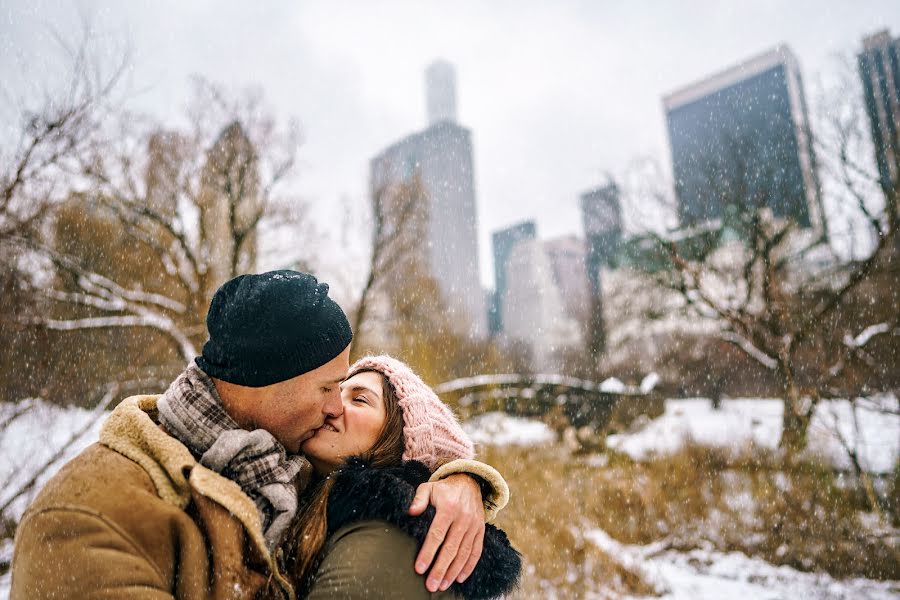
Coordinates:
<point>370,559</point>
<point>495,491</point>
<point>72,553</point>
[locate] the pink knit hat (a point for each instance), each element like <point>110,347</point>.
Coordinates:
<point>431,432</point>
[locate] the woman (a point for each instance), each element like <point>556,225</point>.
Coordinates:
<point>394,432</point>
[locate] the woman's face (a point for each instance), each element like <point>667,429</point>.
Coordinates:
<point>356,430</point>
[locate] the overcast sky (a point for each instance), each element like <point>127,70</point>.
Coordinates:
<point>556,93</point>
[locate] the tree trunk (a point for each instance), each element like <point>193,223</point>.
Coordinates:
<point>798,412</point>
<point>596,332</point>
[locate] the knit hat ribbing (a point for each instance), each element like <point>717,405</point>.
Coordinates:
<point>431,431</point>
<point>271,327</point>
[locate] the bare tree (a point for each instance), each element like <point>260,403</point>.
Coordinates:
<point>58,136</point>
<point>398,221</point>
<point>781,294</point>
<point>190,205</point>
<point>57,128</point>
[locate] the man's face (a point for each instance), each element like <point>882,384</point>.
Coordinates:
<point>292,410</point>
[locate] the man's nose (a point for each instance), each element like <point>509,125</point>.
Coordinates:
<point>334,407</point>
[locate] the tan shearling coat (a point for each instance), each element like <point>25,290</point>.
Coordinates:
<point>135,516</point>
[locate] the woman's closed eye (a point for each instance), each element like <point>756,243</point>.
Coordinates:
<point>361,399</point>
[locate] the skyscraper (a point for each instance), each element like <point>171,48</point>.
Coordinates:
<point>601,215</point>
<point>440,92</point>
<point>568,259</point>
<point>740,140</point>
<point>879,69</point>
<point>441,158</point>
<point>504,241</point>
<point>533,311</point>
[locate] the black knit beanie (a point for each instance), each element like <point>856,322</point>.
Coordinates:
<point>271,327</point>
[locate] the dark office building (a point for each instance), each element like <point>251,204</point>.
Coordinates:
<point>503,242</point>
<point>879,69</point>
<point>601,215</point>
<point>740,140</point>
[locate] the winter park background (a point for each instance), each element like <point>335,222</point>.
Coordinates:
<point>648,253</point>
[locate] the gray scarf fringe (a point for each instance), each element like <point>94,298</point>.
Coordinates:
<point>192,412</point>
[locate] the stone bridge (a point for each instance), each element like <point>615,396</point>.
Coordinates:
<point>565,401</point>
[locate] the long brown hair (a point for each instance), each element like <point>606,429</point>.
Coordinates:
<point>305,540</point>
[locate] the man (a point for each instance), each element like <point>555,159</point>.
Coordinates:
<point>186,495</point>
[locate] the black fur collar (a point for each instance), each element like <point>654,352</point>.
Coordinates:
<point>361,492</point>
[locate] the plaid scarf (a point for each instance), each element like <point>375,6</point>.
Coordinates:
<point>192,412</point>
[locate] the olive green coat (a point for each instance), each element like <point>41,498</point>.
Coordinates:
<point>370,560</point>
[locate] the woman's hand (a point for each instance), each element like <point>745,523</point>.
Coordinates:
<point>457,529</point>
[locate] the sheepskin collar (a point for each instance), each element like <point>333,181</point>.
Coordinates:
<point>362,493</point>
<point>132,429</point>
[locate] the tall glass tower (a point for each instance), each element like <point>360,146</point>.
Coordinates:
<point>879,70</point>
<point>740,140</point>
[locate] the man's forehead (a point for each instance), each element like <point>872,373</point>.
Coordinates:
<point>333,373</point>
<point>334,378</point>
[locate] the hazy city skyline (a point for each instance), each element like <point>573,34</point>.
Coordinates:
<point>556,94</point>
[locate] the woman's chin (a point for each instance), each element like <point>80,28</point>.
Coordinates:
<point>322,464</point>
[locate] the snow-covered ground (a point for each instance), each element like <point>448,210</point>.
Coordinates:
<point>33,438</point>
<point>741,422</point>
<point>735,425</point>
<point>500,429</point>
<point>706,574</point>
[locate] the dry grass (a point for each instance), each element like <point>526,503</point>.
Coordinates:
<point>546,518</point>
<point>804,516</point>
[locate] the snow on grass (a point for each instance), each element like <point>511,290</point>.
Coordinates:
<point>34,432</point>
<point>31,439</point>
<point>500,429</point>
<point>741,422</point>
<point>612,386</point>
<point>877,440</point>
<point>737,424</point>
<point>707,574</point>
